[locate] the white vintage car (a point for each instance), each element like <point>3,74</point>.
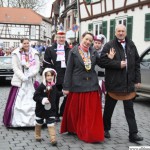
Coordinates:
<point>6,71</point>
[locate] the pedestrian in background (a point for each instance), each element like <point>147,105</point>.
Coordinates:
<point>8,52</point>
<point>20,107</point>
<point>40,48</point>
<point>1,51</point>
<point>56,57</point>
<point>122,76</point>
<point>45,96</point>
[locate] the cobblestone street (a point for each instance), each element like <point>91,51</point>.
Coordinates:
<point>23,138</point>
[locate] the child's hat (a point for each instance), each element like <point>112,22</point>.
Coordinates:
<point>49,70</point>
<point>61,32</point>
<point>98,38</point>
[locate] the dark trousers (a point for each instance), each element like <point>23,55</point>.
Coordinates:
<point>62,107</point>
<point>110,104</point>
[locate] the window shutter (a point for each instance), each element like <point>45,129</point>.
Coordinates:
<point>104,28</point>
<point>88,1</point>
<point>112,29</point>
<point>129,27</point>
<point>147,27</point>
<point>90,26</point>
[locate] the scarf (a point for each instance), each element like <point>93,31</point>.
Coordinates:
<point>49,85</point>
<point>61,55</point>
<point>85,49</point>
<point>27,59</point>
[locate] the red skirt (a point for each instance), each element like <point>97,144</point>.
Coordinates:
<point>83,116</point>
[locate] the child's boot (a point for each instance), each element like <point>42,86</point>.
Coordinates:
<point>38,132</point>
<point>52,133</point>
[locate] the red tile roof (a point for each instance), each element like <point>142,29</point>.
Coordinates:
<point>19,16</point>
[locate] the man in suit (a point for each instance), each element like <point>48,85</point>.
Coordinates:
<point>56,57</point>
<point>122,76</point>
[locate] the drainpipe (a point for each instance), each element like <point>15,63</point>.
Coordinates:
<point>79,33</point>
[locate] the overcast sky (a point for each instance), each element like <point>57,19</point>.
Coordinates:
<point>46,11</point>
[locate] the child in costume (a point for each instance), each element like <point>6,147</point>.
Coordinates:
<point>45,96</point>
<point>99,42</point>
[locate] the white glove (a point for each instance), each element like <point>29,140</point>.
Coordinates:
<point>45,101</point>
<point>25,79</point>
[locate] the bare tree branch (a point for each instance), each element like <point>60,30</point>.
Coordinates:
<point>1,3</point>
<point>36,5</point>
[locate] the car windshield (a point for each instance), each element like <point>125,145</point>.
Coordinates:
<point>146,57</point>
<point>5,62</point>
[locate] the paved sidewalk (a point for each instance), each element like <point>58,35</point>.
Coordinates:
<point>23,138</point>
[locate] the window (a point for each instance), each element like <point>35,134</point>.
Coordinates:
<point>90,27</point>
<point>6,44</point>
<point>14,31</point>
<point>147,27</point>
<point>16,44</point>
<point>68,22</point>
<point>97,28</point>
<point>128,22</point>
<point>121,21</point>
<point>67,2</point>
<point>88,1</point>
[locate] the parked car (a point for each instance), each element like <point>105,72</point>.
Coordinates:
<point>6,71</point>
<point>145,74</point>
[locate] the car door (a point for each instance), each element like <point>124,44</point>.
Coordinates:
<point>145,71</point>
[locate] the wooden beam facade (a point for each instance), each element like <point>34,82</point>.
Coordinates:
<point>140,4</point>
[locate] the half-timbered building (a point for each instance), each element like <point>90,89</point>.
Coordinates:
<point>17,23</point>
<point>101,16</point>
<point>64,14</point>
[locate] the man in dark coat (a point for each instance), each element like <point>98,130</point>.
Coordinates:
<point>122,76</point>
<point>56,57</point>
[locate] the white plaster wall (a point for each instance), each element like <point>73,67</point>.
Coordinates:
<point>131,1</point>
<point>118,3</point>
<point>48,30</point>
<point>83,11</point>
<point>89,8</point>
<point>138,26</point>
<point>96,9</point>
<point>103,6</point>
<point>109,5</point>
<point>95,1</point>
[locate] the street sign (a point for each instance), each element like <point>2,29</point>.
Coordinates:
<point>75,28</point>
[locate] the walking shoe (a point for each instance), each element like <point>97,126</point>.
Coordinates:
<point>52,133</point>
<point>134,138</point>
<point>107,134</point>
